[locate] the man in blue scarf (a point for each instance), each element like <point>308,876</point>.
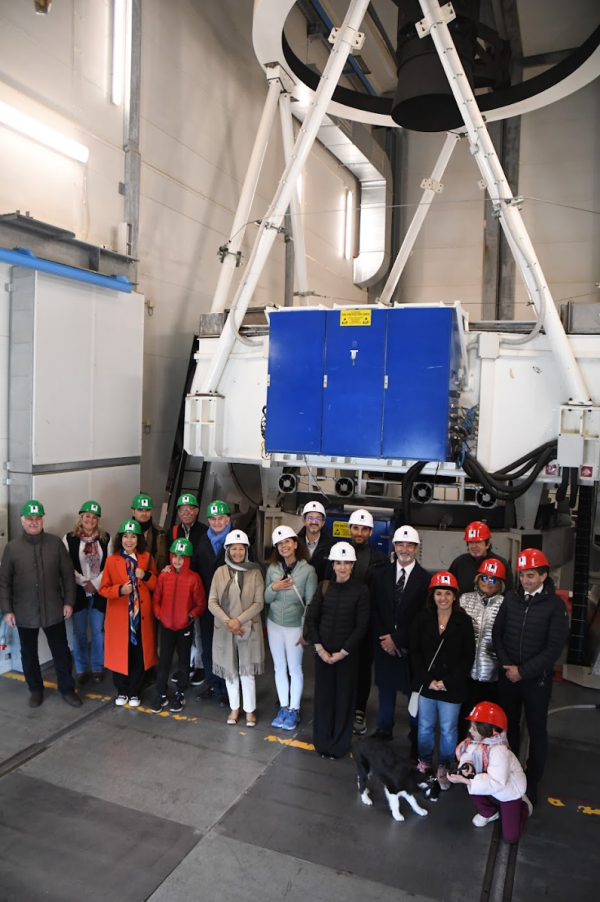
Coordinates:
<point>209,555</point>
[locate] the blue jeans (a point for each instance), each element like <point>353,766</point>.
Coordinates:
<point>429,709</point>
<point>80,639</point>
<point>386,714</point>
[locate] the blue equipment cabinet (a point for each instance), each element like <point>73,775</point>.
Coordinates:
<point>366,383</point>
<point>295,386</point>
<point>353,394</point>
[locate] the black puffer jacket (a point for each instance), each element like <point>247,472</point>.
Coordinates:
<point>339,618</point>
<point>531,635</point>
<point>454,660</point>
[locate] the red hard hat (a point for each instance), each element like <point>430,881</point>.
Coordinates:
<point>477,531</point>
<point>531,558</point>
<point>486,712</point>
<point>493,567</point>
<point>443,580</point>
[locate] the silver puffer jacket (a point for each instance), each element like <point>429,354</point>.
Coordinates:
<point>482,611</point>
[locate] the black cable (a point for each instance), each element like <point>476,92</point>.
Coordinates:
<point>574,487</point>
<point>561,492</point>
<point>504,493</point>
<point>522,460</point>
<point>237,482</point>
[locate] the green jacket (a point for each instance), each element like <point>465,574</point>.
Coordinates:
<point>285,608</point>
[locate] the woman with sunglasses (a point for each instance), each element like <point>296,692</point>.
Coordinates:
<point>482,605</point>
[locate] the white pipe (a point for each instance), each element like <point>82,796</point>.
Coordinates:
<point>272,221</point>
<point>511,220</point>
<point>247,196</point>
<point>287,131</point>
<point>418,219</point>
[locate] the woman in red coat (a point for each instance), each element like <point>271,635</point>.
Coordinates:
<point>130,631</point>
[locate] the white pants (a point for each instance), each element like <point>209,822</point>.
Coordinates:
<point>196,656</point>
<point>287,656</point>
<point>248,693</point>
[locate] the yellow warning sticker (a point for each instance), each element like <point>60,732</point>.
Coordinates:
<point>355,317</point>
<point>341,530</point>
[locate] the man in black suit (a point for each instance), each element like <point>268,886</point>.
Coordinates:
<point>316,537</point>
<point>397,596</point>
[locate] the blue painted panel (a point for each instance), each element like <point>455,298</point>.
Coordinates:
<point>420,365</point>
<point>295,391</point>
<point>353,399</point>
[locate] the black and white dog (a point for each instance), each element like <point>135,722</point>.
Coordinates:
<point>375,758</point>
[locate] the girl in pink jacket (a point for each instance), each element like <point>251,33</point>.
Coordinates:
<point>492,773</point>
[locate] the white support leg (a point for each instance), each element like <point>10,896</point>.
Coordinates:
<point>247,196</point>
<point>287,131</point>
<point>432,185</point>
<point>344,42</point>
<point>511,220</point>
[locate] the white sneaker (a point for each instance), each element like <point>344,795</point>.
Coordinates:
<point>121,700</point>
<point>529,806</point>
<point>480,821</point>
<point>134,702</point>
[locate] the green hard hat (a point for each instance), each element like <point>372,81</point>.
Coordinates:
<point>142,502</point>
<point>91,507</point>
<point>33,508</point>
<point>217,507</point>
<point>130,526</point>
<point>187,499</point>
<point>182,546</point>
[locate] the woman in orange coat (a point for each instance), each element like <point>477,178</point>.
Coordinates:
<point>130,632</point>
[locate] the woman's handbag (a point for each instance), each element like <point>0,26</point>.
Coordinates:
<point>413,702</point>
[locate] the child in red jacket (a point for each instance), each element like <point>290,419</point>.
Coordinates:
<point>178,600</point>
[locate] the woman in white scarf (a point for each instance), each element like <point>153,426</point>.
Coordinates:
<point>236,600</point>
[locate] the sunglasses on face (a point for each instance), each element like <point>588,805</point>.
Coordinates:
<point>488,579</point>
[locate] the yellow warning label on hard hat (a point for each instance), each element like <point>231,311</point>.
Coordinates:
<point>355,317</point>
<point>341,530</point>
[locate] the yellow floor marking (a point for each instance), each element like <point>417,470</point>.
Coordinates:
<point>586,809</point>
<point>308,746</point>
<point>557,803</point>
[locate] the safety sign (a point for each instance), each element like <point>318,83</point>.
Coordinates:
<point>355,317</point>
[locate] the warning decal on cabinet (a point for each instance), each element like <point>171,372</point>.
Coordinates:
<point>355,317</point>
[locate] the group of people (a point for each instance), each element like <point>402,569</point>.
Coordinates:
<point>451,643</point>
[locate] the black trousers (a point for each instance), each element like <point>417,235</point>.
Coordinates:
<point>130,684</point>
<point>335,704</point>
<point>61,655</point>
<point>169,641</point>
<point>534,696</point>
<point>365,672</point>
<point>207,629</point>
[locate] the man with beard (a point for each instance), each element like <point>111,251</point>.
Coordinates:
<point>397,596</point>
<point>479,547</point>
<point>316,537</point>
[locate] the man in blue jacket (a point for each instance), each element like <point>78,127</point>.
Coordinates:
<point>529,635</point>
<point>397,596</point>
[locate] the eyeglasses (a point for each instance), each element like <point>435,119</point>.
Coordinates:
<point>314,519</point>
<point>488,579</point>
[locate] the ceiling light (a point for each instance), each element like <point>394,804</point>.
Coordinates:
<point>33,128</point>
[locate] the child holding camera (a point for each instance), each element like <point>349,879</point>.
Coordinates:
<point>492,773</point>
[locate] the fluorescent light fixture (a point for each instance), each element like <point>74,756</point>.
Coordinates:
<point>118,52</point>
<point>33,128</point>
<point>349,226</point>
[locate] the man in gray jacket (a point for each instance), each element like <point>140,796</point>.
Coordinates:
<point>37,589</point>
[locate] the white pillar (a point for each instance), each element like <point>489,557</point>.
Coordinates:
<point>287,131</point>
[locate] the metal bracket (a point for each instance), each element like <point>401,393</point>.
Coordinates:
<point>516,201</point>
<point>482,184</point>
<point>275,72</point>
<point>432,185</point>
<point>426,24</point>
<point>355,38</point>
<point>325,381</point>
<point>225,252</point>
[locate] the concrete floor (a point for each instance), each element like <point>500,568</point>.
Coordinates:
<point>183,807</point>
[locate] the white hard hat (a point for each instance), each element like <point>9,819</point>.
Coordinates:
<point>342,551</point>
<point>313,507</point>
<point>406,534</point>
<point>237,537</point>
<point>281,533</point>
<point>361,518</point>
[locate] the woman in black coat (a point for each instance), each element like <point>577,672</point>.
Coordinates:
<point>336,621</point>
<point>442,649</point>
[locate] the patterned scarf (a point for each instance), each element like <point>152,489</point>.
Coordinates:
<point>134,598</point>
<point>91,550</point>
<point>480,754</point>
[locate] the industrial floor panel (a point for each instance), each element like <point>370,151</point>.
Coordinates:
<point>65,846</point>
<point>309,808</point>
<point>558,853</point>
